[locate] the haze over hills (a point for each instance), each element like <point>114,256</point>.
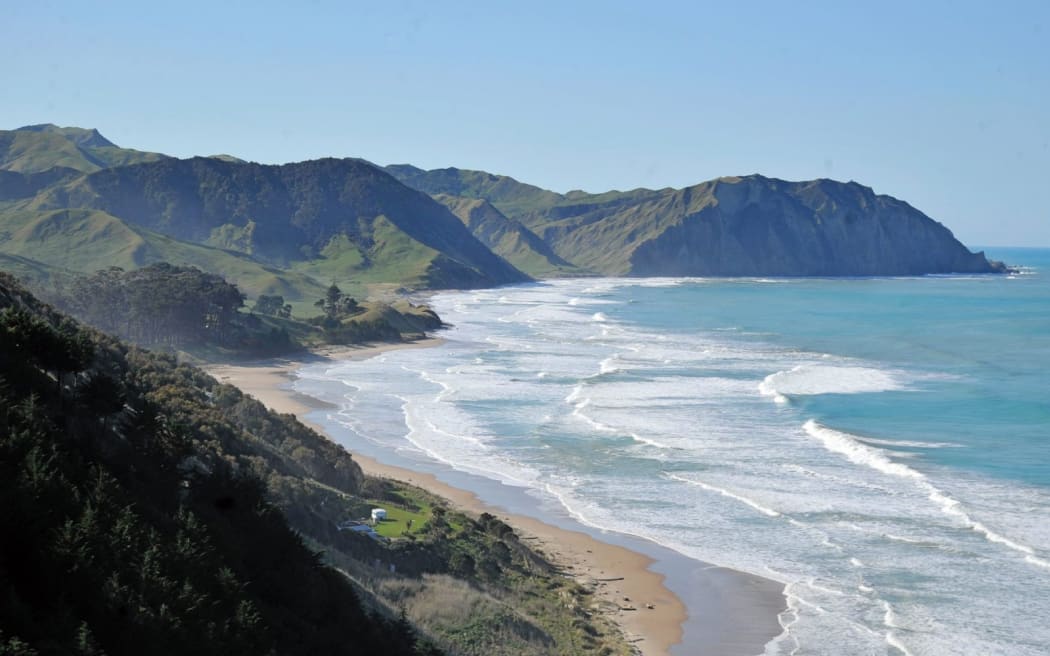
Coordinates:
<point>71,199</point>
<point>507,237</point>
<point>345,216</point>
<point>732,226</point>
<point>38,148</point>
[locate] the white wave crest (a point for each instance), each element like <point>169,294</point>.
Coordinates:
<point>909,444</point>
<point>574,395</point>
<point>608,365</point>
<point>861,454</point>
<point>855,451</point>
<point>766,388</point>
<point>769,512</point>
<point>650,442</point>
<point>812,379</point>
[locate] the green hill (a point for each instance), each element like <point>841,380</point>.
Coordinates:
<point>87,240</point>
<point>33,273</point>
<point>530,205</point>
<point>734,226</point>
<point>343,219</point>
<point>513,198</point>
<point>508,238</point>
<point>298,227</point>
<point>37,148</point>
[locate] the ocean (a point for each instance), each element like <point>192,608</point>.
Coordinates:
<point>881,446</point>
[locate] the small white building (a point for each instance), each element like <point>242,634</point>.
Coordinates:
<point>378,515</point>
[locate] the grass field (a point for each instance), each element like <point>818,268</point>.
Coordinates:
<point>414,508</point>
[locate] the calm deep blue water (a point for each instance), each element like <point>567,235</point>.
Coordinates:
<point>880,446</point>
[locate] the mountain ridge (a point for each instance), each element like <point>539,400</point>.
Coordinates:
<point>283,214</point>
<point>295,228</point>
<point>737,226</point>
<point>38,148</point>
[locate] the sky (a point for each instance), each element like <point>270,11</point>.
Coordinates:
<point>943,104</point>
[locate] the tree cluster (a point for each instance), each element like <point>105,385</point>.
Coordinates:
<point>132,519</point>
<point>158,304</point>
<point>272,305</point>
<point>336,305</point>
<point>168,306</point>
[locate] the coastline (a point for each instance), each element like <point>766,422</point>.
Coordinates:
<point>617,572</point>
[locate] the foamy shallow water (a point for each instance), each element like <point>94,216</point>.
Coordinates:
<point>757,426</point>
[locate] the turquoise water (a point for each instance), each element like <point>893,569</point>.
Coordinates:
<point>880,446</point>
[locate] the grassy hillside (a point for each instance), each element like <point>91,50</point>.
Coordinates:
<point>604,235</point>
<point>87,240</point>
<point>734,226</point>
<point>356,219</point>
<point>508,238</point>
<point>528,204</point>
<point>33,273</point>
<point>71,198</point>
<point>38,148</point>
<point>512,197</point>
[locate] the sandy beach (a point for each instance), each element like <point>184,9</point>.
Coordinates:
<point>624,578</point>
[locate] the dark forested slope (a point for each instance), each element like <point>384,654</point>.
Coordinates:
<point>134,515</point>
<point>147,508</point>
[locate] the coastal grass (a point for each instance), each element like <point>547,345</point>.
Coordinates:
<point>407,518</point>
<point>393,257</point>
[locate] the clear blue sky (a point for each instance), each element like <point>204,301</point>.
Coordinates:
<point>943,104</point>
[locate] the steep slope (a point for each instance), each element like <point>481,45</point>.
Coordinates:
<point>737,226</point>
<point>528,204</point>
<point>32,272</point>
<point>37,148</point>
<point>745,226</point>
<point>154,510</point>
<point>506,193</point>
<point>15,185</point>
<point>138,508</point>
<point>87,240</point>
<point>353,218</point>
<point>507,238</point>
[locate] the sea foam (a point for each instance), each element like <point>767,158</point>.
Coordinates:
<point>857,452</point>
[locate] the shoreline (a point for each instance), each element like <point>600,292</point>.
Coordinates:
<point>618,572</point>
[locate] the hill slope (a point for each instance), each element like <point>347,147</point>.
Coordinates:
<point>736,226</point>
<point>151,510</point>
<point>37,148</point>
<point>507,238</point>
<point>339,218</point>
<point>346,220</point>
<point>135,519</point>
<point>84,241</point>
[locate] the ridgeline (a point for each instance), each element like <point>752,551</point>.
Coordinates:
<point>71,200</point>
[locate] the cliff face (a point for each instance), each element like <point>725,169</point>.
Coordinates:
<point>737,226</point>
<point>758,226</point>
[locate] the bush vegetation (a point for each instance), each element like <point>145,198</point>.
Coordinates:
<point>147,508</point>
